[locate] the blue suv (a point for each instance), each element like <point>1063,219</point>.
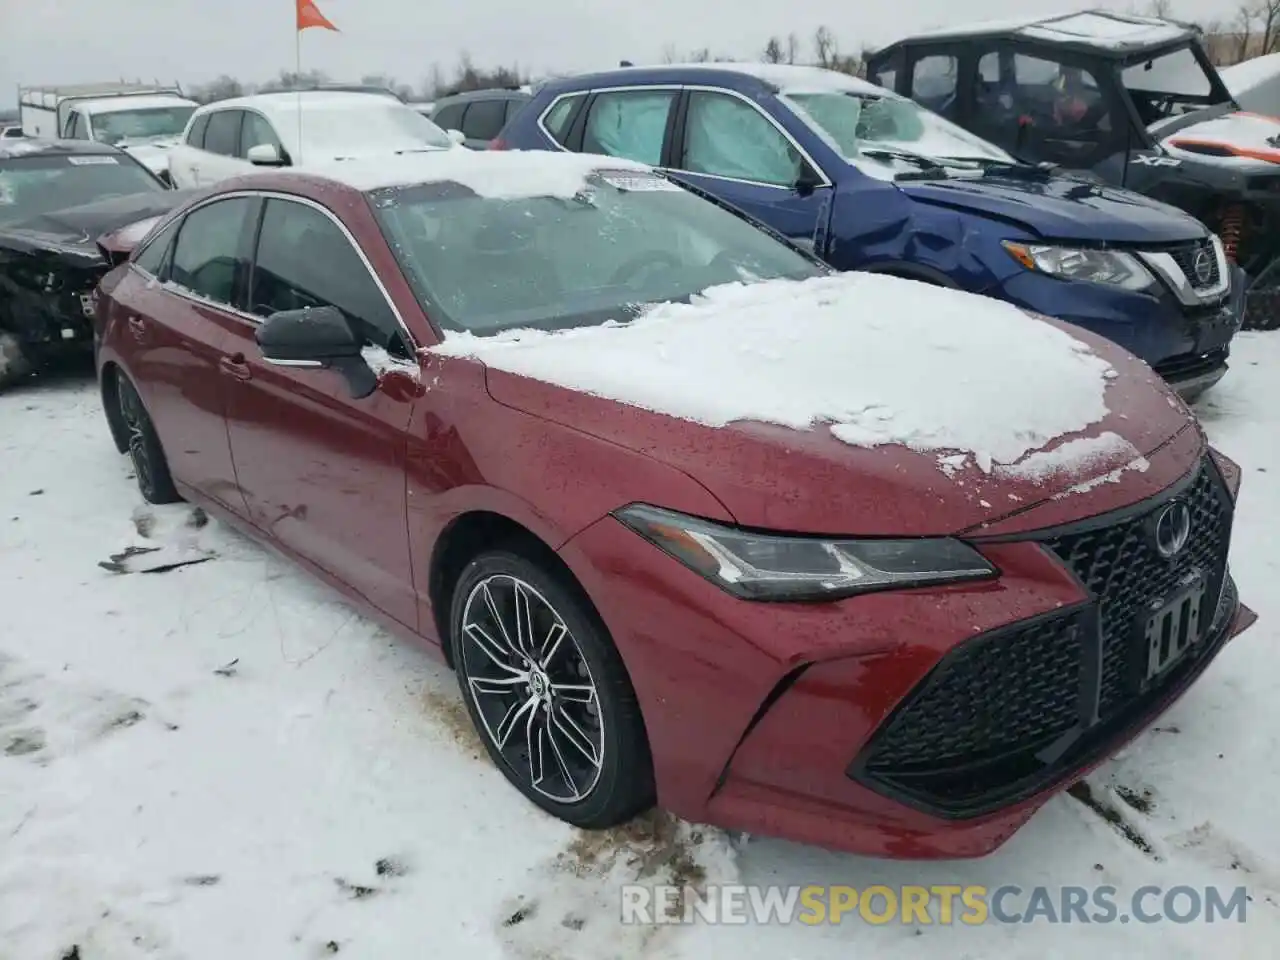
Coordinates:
<point>870,180</point>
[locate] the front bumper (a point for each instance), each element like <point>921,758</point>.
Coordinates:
<point>1187,344</point>
<point>785,719</point>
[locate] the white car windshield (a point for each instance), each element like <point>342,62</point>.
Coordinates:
<point>149,124</point>
<point>381,125</point>
<point>855,123</point>
<point>484,265</point>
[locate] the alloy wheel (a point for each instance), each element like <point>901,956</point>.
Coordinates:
<point>532,688</point>
<point>135,422</point>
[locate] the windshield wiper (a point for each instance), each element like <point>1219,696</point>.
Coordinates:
<point>930,168</point>
<point>1015,166</point>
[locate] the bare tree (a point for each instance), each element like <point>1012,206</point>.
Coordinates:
<point>793,47</point>
<point>669,53</point>
<point>824,46</point>
<point>223,88</point>
<point>773,52</point>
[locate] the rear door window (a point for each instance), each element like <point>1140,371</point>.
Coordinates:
<point>631,124</point>
<point>223,134</point>
<point>484,119</point>
<point>207,259</point>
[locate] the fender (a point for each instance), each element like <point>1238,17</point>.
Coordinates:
<point>911,271</point>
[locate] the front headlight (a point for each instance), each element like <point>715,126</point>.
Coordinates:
<point>763,566</point>
<point>1113,267</point>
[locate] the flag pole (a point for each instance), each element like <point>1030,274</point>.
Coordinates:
<point>297,81</point>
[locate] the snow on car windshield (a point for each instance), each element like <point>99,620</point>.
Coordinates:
<point>853,123</point>
<point>149,124</point>
<point>627,238</point>
<point>33,185</point>
<point>363,128</point>
<point>876,359</point>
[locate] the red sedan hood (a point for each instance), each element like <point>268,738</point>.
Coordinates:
<point>808,481</point>
<point>860,405</point>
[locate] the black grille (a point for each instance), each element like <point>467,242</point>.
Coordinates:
<point>1187,255</point>
<point>1187,365</point>
<point>1121,568</point>
<point>996,695</point>
<point>1004,714</point>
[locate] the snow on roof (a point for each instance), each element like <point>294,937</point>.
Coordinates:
<point>286,102</point>
<point>499,174</point>
<point>135,102</point>
<point>878,360</point>
<point>1101,28</point>
<point>1244,76</point>
<point>787,76</point>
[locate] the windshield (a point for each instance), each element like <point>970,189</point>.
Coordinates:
<point>32,186</point>
<point>484,265</point>
<point>147,124</point>
<point>380,125</point>
<point>854,123</point>
<point>1168,85</point>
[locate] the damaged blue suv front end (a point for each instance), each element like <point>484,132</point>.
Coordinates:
<point>869,180</point>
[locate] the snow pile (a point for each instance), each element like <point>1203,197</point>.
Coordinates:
<point>1072,456</point>
<point>498,174</point>
<point>381,362</point>
<point>878,359</point>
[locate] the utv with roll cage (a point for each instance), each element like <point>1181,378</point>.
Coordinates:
<point>1131,101</point>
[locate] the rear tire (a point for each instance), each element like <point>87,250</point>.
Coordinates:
<point>548,692</point>
<point>149,463</point>
<point>14,362</point>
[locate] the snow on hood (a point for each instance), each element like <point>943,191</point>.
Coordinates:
<point>1250,137</point>
<point>874,360</point>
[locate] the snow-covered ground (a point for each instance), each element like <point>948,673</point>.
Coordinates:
<point>224,760</point>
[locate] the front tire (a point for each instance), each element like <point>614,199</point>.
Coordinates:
<point>149,463</point>
<point>548,692</point>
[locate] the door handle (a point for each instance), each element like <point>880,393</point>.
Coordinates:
<point>236,367</point>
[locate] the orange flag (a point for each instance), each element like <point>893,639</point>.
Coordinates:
<point>309,15</point>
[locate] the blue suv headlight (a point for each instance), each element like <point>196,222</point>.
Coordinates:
<point>1112,267</point>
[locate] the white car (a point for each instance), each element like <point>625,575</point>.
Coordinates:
<point>309,128</point>
<point>1255,84</point>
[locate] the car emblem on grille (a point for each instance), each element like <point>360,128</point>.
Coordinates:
<point>1203,266</point>
<point>1172,529</point>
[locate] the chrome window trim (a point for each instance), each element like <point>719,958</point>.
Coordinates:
<point>171,287</point>
<point>1165,267</point>
<point>699,88</point>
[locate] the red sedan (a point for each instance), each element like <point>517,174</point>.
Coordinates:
<point>840,558</point>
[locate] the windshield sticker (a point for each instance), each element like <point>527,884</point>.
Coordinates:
<point>91,161</point>
<point>638,183</point>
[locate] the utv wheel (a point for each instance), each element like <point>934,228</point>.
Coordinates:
<point>149,463</point>
<point>548,692</point>
<point>14,363</point>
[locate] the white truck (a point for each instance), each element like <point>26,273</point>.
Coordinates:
<point>146,120</point>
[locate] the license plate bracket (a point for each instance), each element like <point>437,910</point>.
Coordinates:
<point>1174,629</point>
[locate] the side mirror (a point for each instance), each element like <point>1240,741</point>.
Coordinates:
<point>808,180</point>
<point>457,136</point>
<point>265,155</point>
<point>317,337</point>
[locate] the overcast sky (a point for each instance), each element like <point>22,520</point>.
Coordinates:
<point>192,41</point>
